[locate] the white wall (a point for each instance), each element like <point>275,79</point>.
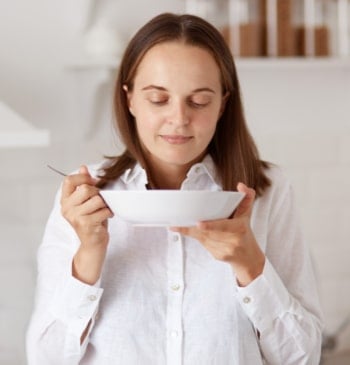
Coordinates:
<point>300,118</point>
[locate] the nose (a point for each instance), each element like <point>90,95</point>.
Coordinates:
<point>179,114</point>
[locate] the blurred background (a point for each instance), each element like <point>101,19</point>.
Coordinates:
<point>58,62</point>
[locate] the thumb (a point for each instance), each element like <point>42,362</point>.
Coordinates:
<point>246,206</point>
<point>84,170</point>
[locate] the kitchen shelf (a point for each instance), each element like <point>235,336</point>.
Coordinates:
<point>287,63</point>
<point>110,63</point>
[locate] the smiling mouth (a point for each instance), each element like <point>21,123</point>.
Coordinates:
<point>176,139</point>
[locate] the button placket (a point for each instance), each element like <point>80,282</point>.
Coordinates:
<point>246,300</point>
<point>175,298</point>
<point>175,287</point>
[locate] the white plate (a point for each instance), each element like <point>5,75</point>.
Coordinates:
<point>171,207</point>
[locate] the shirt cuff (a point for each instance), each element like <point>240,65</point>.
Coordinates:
<point>265,298</point>
<point>75,304</point>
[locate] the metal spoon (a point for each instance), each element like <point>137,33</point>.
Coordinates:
<point>63,174</point>
<point>58,172</point>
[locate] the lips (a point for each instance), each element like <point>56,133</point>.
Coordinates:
<point>176,139</point>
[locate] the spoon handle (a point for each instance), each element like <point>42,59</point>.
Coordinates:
<point>63,174</point>
<point>57,171</point>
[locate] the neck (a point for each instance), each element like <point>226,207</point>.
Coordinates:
<point>163,175</point>
<point>169,177</point>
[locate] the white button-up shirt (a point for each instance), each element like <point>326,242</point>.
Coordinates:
<point>163,299</point>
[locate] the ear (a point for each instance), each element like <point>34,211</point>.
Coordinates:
<point>223,103</point>
<point>128,96</point>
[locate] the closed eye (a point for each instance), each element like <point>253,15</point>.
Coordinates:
<point>198,105</point>
<point>158,102</point>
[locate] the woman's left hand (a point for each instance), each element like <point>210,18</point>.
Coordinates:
<point>232,240</point>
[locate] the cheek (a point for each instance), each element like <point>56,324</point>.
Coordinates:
<point>207,124</point>
<point>147,124</point>
<point>145,116</point>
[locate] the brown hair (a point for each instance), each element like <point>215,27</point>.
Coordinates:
<point>232,147</point>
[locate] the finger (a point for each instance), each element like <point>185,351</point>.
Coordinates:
<point>81,194</point>
<point>214,242</point>
<point>219,225</point>
<point>223,230</point>
<point>193,232</point>
<point>217,236</point>
<point>71,182</point>
<point>92,220</point>
<point>185,231</point>
<point>84,170</point>
<point>91,206</point>
<point>100,216</point>
<point>246,206</point>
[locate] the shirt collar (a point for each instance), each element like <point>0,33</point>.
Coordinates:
<point>137,175</point>
<point>206,166</point>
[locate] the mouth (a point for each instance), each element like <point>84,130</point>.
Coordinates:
<point>176,139</point>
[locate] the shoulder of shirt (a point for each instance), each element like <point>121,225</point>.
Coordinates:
<point>276,173</point>
<point>280,182</point>
<point>135,174</point>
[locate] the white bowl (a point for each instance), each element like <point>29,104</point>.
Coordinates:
<point>171,207</point>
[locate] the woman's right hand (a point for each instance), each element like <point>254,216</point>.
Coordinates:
<point>85,210</point>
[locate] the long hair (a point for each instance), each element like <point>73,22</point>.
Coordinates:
<point>232,147</point>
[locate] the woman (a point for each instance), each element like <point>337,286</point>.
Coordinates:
<point>232,291</point>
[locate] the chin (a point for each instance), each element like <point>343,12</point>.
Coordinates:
<point>186,157</point>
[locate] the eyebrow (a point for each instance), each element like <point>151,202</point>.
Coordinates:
<point>161,88</point>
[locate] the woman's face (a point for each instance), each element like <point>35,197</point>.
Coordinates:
<point>176,101</point>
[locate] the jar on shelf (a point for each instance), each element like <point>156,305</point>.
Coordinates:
<point>342,44</point>
<point>279,28</point>
<point>322,27</point>
<point>238,20</point>
<point>280,38</point>
<point>311,28</point>
<point>245,33</point>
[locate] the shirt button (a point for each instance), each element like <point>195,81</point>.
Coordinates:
<point>92,297</point>
<point>175,287</point>
<point>197,169</point>
<point>246,300</point>
<point>175,238</point>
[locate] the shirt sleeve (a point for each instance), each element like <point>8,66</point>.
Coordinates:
<point>64,306</point>
<point>282,303</point>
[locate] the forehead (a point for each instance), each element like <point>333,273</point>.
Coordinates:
<point>175,61</point>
